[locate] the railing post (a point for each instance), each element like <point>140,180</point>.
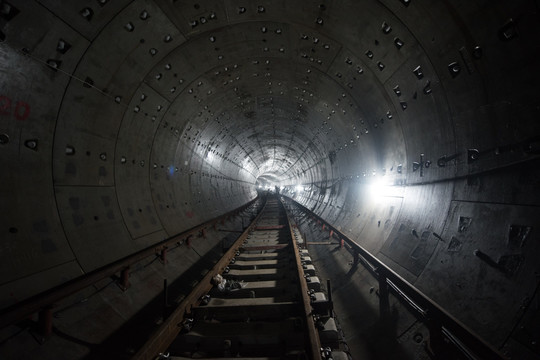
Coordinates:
<point>329,291</point>
<point>163,255</point>
<point>384,303</point>
<point>124,279</point>
<point>165,299</point>
<point>45,321</point>
<point>436,342</point>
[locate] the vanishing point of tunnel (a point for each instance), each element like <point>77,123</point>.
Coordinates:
<point>411,126</point>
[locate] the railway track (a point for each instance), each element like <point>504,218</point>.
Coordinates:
<point>265,303</point>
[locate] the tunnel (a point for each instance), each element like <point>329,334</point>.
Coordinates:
<point>411,126</point>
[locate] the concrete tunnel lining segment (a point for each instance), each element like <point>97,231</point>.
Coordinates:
<point>123,123</point>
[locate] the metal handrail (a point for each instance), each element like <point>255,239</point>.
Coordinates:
<point>25,308</point>
<point>436,318</point>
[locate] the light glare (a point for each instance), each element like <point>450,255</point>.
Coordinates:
<point>380,188</point>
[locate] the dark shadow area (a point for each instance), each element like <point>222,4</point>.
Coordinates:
<point>72,339</point>
<point>126,340</point>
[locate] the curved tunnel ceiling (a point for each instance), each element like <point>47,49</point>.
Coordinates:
<point>140,119</point>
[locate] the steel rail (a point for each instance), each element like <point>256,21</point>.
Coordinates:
<point>437,319</point>
<point>25,308</point>
<point>163,337</point>
<point>312,332</point>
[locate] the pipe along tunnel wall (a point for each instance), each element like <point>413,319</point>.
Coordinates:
<point>410,125</point>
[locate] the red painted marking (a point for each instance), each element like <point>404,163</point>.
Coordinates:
<point>5,105</point>
<point>22,105</point>
<point>189,214</point>
<point>22,109</point>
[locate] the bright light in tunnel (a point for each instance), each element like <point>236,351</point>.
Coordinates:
<point>380,188</point>
<point>299,188</point>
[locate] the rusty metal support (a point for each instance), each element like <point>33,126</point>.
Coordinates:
<point>341,243</point>
<point>124,279</point>
<point>45,324</point>
<point>203,233</point>
<point>331,234</point>
<point>163,255</point>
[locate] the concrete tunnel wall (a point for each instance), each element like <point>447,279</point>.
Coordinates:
<point>125,122</point>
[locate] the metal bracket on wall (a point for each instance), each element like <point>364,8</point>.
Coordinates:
<point>421,165</point>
